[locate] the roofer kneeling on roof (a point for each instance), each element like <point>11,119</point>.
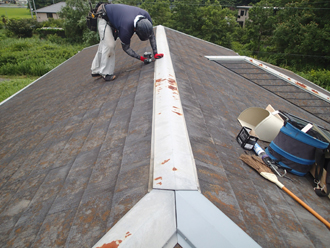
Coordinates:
<point>119,20</point>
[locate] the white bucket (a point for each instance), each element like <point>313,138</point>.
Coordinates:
<point>265,125</point>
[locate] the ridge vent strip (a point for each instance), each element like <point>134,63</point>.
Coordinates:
<point>278,74</point>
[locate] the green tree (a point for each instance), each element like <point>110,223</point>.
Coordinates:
<point>74,15</point>
<point>218,24</point>
<point>159,11</point>
<point>22,28</point>
<point>186,16</point>
<point>260,26</point>
<point>4,20</point>
<point>303,36</point>
<point>129,2</point>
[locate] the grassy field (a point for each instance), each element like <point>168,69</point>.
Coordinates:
<point>9,85</point>
<point>24,60</point>
<point>15,12</point>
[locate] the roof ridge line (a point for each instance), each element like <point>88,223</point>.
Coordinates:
<point>201,40</point>
<point>173,161</point>
<point>173,210</point>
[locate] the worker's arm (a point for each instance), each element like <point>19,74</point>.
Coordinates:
<point>130,51</point>
<point>153,45</point>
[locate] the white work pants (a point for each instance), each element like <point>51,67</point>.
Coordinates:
<point>104,60</point>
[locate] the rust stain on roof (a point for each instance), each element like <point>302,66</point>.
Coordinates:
<point>301,85</point>
<point>158,82</point>
<point>128,234</point>
<point>159,89</point>
<point>172,87</point>
<point>113,244</point>
<point>171,81</point>
<point>159,178</point>
<point>160,79</point>
<point>176,112</point>
<point>165,161</point>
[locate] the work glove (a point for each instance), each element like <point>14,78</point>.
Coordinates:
<point>158,55</point>
<point>145,60</point>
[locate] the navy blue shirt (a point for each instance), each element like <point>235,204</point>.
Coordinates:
<point>122,17</point>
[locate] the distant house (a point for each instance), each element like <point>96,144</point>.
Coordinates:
<point>22,2</point>
<point>243,14</point>
<point>48,12</point>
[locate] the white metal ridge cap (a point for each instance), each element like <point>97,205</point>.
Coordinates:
<point>225,58</point>
<point>202,224</point>
<point>289,79</point>
<point>150,223</point>
<point>170,135</point>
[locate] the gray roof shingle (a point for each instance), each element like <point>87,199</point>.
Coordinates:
<point>75,151</point>
<point>212,99</point>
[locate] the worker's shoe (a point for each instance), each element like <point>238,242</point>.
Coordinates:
<point>109,77</point>
<point>96,75</point>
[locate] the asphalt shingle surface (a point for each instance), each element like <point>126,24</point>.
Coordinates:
<point>305,100</point>
<point>212,99</point>
<point>75,152</point>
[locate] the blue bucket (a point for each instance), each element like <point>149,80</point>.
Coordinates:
<point>294,149</point>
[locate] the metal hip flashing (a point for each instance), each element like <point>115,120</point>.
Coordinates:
<point>202,224</point>
<point>174,211</point>
<point>150,223</point>
<point>173,161</point>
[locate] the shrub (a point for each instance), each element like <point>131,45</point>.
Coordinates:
<point>3,21</point>
<point>54,38</point>
<point>32,56</point>
<point>22,28</point>
<point>45,31</point>
<point>57,23</point>
<point>2,36</point>
<point>91,38</point>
